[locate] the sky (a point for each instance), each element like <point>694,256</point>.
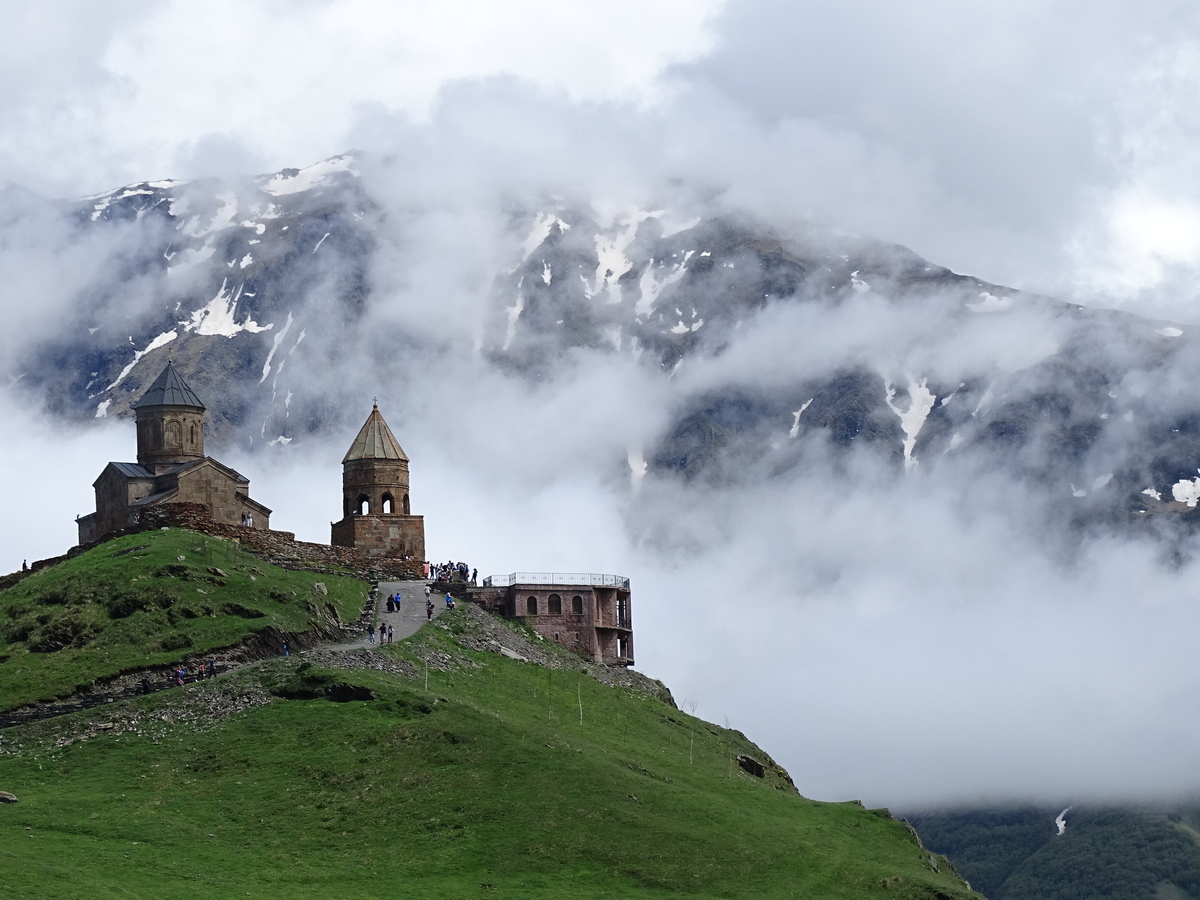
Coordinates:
<point>885,640</point>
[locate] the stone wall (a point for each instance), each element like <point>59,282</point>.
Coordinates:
<point>281,547</point>
<point>382,535</point>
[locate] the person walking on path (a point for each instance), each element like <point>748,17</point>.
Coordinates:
<point>371,633</point>
<point>382,632</point>
<point>428,610</point>
<point>428,591</point>
<point>391,634</point>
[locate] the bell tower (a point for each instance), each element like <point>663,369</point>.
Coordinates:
<point>170,422</point>
<point>376,513</point>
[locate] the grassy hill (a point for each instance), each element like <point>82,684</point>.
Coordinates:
<point>149,600</point>
<point>442,766</point>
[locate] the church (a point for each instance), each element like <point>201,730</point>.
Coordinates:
<point>171,467</point>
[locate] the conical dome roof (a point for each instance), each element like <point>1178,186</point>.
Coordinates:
<point>375,441</point>
<point>169,389</point>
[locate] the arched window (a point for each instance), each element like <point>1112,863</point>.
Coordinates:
<point>406,511</point>
<point>555,605</point>
<point>363,504</point>
<point>192,435</point>
<point>174,434</point>
<point>531,606</point>
<point>577,605</point>
<point>389,504</point>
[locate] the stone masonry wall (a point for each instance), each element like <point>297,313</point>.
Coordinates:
<point>281,547</point>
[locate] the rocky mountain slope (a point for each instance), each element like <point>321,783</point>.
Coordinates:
<point>810,339</point>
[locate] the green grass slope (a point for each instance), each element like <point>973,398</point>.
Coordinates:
<point>149,600</point>
<point>467,773</point>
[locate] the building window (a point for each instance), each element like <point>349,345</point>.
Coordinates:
<point>192,435</point>
<point>555,605</point>
<point>363,504</point>
<point>406,509</point>
<point>174,435</point>
<point>531,606</point>
<point>577,605</point>
<point>389,505</point>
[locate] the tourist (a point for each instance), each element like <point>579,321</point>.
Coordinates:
<point>391,634</point>
<point>286,649</point>
<point>382,632</point>
<point>391,604</point>
<point>212,667</point>
<point>428,591</point>
<point>474,575</point>
<point>371,633</point>
<point>428,609</point>
<point>449,601</point>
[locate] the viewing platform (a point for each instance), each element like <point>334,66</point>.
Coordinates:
<point>572,578</point>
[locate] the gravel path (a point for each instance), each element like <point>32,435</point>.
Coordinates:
<point>405,622</point>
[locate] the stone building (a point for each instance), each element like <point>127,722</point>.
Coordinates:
<point>590,614</point>
<point>376,513</point>
<point>171,467</point>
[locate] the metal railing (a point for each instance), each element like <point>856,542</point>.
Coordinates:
<point>589,579</point>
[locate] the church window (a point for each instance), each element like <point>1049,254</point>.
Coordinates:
<point>577,605</point>
<point>555,603</point>
<point>389,504</point>
<point>192,435</point>
<point>363,505</point>
<point>406,512</point>
<point>174,434</point>
<point>531,606</point>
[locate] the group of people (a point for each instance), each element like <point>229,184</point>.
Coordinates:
<point>386,634</point>
<point>452,571</point>
<point>247,520</point>
<point>180,675</point>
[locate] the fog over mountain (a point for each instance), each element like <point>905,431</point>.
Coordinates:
<point>922,529</point>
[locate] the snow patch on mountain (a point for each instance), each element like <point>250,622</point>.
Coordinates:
<point>612,262</point>
<point>293,181</point>
<point>217,316</point>
<point>652,285</point>
<point>266,369</point>
<point>161,341</point>
<point>197,226</point>
<point>541,230</point>
<point>795,429</point>
<point>920,404</point>
<point>1170,331</point>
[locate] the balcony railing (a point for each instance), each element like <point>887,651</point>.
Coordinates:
<point>592,580</point>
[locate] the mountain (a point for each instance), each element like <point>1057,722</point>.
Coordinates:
<point>1077,853</point>
<point>811,340</point>
<point>472,759</point>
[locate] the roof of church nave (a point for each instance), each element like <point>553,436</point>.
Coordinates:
<point>169,389</point>
<point>375,441</point>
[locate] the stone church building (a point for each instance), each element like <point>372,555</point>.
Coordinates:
<point>376,514</point>
<point>171,467</point>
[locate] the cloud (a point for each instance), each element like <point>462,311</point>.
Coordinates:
<point>128,98</point>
